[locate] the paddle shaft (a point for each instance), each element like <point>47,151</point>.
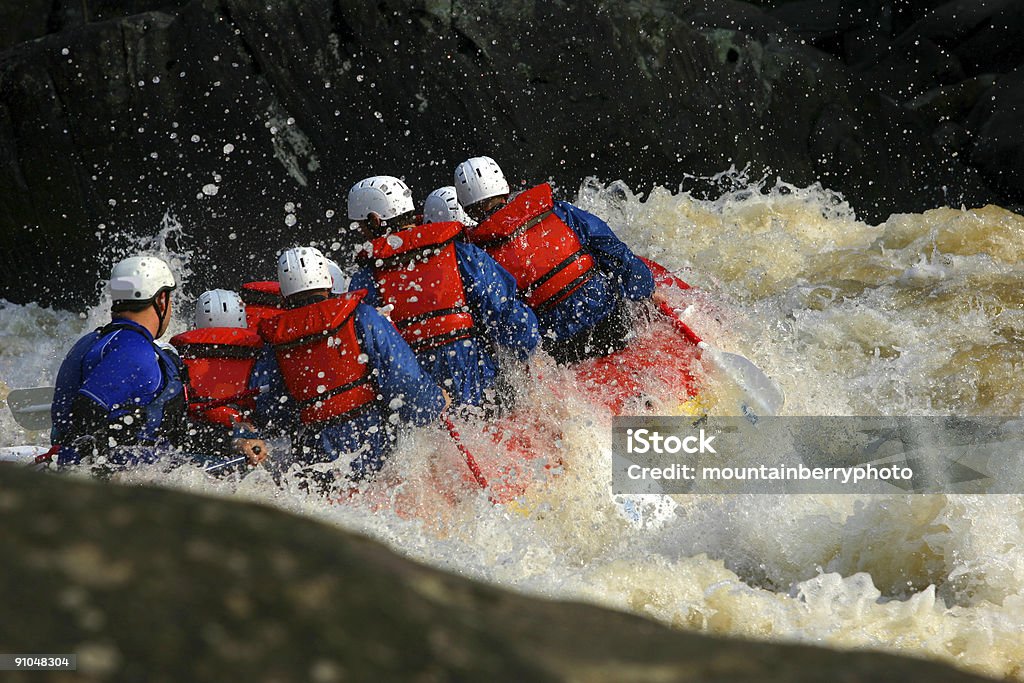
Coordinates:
<point>757,387</point>
<point>474,466</point>
<point>681,327</point>
<point>48,455</point>
<point>21,412</point>
<point>227,463</point>
<point>200,406</point>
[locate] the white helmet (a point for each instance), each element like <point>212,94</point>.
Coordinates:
<point>220,308</point>
<point>383,195</point>
<point>339,278</point>
<point>442,205</point>
<point>478,179</point>
<point>302,269</point>
<point>139,278</point>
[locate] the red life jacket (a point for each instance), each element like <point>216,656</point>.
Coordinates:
<point>219,362</point>
<point>531,242</point>
<point>262,300</point>
<point>318,352</point>
<point>420,278</point>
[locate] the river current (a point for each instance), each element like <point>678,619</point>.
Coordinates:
<point>920,315</point>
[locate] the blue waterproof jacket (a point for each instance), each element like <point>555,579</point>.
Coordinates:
<point>129,393</point>
<point>466,368</point>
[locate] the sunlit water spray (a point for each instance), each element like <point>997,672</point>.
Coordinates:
<point>923,314</point>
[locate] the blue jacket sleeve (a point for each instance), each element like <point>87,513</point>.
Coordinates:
<point>491,294</point>
<point>613,256</point>
<point>363,279</point>
<point>406,389</point>
<point>274,410</point>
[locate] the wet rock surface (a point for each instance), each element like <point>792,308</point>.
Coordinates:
<point>154,585</point>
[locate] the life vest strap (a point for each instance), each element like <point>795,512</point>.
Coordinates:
<point>309,338</point>
<point>566,291</point>
<point>344,417</point>
<point>206,402</point>
<point>403,258</point>
<point>495,243</point>
<point>419,346</point>
<point>528,291</point>
<point>320,398</point>
<point>226,351</point>
<point>412,320</point>
<point>331,405</point>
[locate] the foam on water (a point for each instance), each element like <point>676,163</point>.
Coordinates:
<point>923,314</point>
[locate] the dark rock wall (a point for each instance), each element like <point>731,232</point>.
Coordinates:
<point>151,585</point>
<point>955,63</point>
<point>109,121</point>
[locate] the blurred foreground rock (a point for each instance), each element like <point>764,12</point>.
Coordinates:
<point>154,585</point>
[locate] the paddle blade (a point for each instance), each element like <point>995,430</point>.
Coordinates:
<point>31,407</point>
<point>763,395</point>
